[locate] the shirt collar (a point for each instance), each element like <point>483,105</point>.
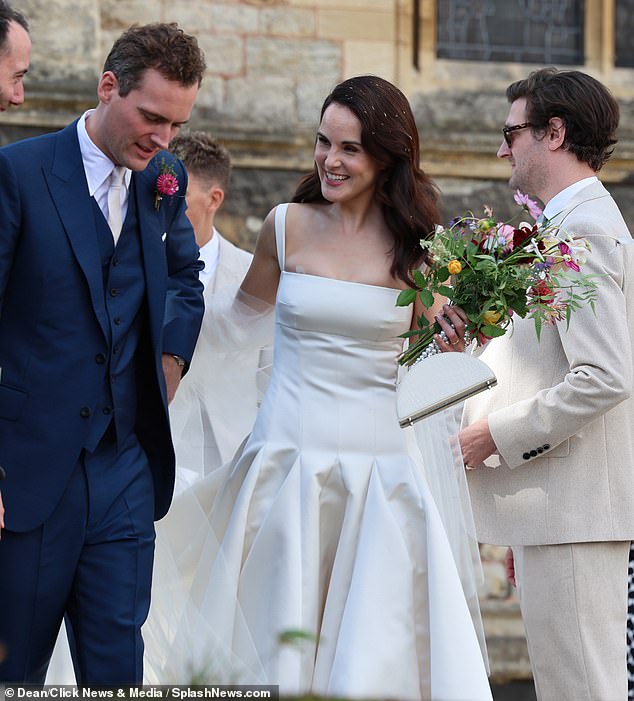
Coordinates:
<point>210,252</point>
<point>97,165</point>
<point>558,203</point>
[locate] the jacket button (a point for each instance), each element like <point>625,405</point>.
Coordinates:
<point>540,450</point>
<point>526,456</point>
<point>117,321</point>
<point>107,410</point>
<point>100,358</point>
<point>114,292</point>
<point>533,453</point>
<point>546,446</point>
<point>85,412</point>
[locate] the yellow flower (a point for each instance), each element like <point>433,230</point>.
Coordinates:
<point>454,267</point>
<point>484,225</point>
<point>491,317</point>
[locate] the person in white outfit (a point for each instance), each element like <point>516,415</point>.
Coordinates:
<point>212,412</point>
<point>552,446</point>
<point>316,559</point>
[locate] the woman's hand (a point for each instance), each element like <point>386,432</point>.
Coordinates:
<point>453,321</point>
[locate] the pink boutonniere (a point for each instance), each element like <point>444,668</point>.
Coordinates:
<point>166,183</point>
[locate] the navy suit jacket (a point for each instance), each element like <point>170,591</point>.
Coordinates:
<point>53,323</point>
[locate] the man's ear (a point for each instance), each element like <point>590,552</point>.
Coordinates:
<point>556,133</point>
<point>108,87</point>
<point>216,198</point>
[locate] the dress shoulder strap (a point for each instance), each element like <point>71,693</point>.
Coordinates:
<point>280,233</point>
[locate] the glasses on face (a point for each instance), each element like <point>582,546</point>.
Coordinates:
<point>508,132</point>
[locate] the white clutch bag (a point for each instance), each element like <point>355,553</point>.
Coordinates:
<point>438,382</point>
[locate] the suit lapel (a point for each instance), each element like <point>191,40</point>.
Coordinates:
<point>69,191</point>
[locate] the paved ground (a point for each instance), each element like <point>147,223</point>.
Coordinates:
<point>514,691</point>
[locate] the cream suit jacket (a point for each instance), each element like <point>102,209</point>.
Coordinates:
<point>562,414</point>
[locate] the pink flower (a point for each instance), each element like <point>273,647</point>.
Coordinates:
<point>530,205</point>
<point>569,261</point>
<point>499,239</point>
<point>167,184</point>
<point>554,312</point>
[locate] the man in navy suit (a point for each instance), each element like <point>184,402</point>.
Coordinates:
<point>100,308</point>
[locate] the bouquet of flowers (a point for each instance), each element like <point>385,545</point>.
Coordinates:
<point>495,270</point>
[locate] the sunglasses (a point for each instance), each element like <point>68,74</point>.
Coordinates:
<point>508,132</point>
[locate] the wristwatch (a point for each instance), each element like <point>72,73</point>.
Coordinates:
<point>179,361</point>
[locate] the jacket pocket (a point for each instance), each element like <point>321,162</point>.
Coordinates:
<point>12,402</point>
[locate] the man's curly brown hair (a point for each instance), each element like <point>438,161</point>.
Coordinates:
<point>161,46</point>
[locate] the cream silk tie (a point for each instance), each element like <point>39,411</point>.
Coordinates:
<point>115,213</point>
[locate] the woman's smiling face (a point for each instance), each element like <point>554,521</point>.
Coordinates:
<point>346,171</point>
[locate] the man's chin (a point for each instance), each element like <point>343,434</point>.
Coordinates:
<point>138,163</point>
<point>139,159</point>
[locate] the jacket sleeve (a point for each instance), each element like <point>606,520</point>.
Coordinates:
<point>598,351</point>
<point>184,305</point>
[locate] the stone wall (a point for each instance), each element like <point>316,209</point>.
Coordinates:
<point>270,65</point>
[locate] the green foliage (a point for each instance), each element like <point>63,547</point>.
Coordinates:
<point>500,272</point>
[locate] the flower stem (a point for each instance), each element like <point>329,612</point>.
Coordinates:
<point>415,349</point>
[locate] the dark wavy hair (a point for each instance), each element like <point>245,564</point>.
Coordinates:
<point>408,197</point>
<point>586,107</point>
<point>161,46</point>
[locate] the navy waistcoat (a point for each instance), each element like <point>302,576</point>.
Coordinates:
<point>124,295</point>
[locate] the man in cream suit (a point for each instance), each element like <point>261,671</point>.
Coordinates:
<point>550,450</point>
<point>215,406</point>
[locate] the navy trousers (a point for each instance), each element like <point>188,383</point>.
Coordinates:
<point>91,561</point>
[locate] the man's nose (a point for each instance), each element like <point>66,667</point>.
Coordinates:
<point>162,135</point>
<point>504,151</point>
<point>18,94</point>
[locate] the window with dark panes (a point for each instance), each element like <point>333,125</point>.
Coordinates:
<point>525,31</point>
<point>623,31</point>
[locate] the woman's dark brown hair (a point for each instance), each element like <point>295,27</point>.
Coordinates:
<point>408,197</point>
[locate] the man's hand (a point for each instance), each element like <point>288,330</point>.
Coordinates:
<point>172,371</point>
<point>476,443</point>
<point>509,567</point>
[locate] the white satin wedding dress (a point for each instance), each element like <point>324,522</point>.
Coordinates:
<point>317,559</point>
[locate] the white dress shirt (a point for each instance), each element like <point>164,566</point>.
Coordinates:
<point>209,254</point>
<point>561,199</point>
<point>98,168</point>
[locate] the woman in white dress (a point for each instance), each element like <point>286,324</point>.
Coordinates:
<point>322,530</point>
